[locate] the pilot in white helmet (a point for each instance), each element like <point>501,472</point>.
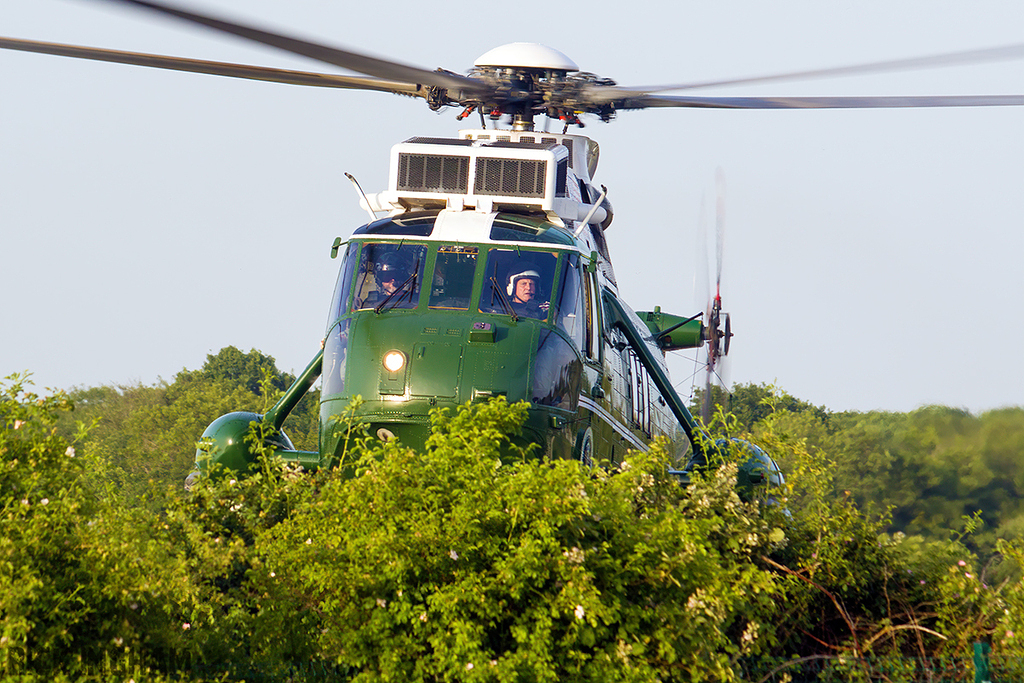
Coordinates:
<point>523,289</point>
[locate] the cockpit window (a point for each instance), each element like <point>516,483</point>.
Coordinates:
<point>343,290</point>
<point>518,283</point>
<point>413,224</point>
<point>569,308</point>
<point>389,276</point>
<point>452,282</point>
<point>509,227</point>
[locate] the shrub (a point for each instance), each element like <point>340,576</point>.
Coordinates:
<point>453,564</point>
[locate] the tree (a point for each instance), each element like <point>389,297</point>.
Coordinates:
<point>149,433</point>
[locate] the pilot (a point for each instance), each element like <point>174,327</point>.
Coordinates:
<point>523,288</point>
<point>390,273</point>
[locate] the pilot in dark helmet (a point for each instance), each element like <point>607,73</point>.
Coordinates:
<point>523,289</point>
<point>390,272</point>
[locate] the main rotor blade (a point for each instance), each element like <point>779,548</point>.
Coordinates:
<point>600,94</point>
<point>821,102</point>
<point>360,63</point>
<point>246,71</point>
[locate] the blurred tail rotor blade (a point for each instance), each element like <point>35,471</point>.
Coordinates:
<point>719,226</point>
<point>706,400</point>
<point>727,335</point>
<point>701,274</point>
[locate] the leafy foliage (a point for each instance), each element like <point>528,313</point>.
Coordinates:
<point>148,433</point>
<point>475,561</point>
<point>453,564</point>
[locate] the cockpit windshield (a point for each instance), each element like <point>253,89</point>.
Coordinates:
<point>515,282</point>
<point>389,276</point>
<point>452,279</point>
<point>518,283</point>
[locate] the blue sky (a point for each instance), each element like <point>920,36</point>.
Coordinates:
<point>872,257</point>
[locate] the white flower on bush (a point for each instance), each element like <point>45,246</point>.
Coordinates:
<point>382,603</point>
<point>579,611</point>
<point>696,602</point>
<point>452,554</point>
<point>70,452</point>
<point>44,501</point>
<point>574,555</point>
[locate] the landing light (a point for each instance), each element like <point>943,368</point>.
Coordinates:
<point>394,361</point>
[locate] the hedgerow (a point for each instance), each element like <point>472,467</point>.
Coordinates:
<point>471,560</point>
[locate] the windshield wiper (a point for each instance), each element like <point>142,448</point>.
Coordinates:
<point>506,305</point>
<point>383,305</point>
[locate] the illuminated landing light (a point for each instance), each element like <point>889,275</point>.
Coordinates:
<point>385,434</point>
<point>394,361</point>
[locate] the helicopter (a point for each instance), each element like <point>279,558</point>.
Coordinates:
<point>452,331</point>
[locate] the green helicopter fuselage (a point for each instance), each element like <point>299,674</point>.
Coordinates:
<point>453,329</point>
<point>428,313</point>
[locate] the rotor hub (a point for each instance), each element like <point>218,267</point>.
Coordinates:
<point>526,57</point>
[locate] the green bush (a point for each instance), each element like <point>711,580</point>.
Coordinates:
<point>87,585</point>
<point>469,561</point>
<point>454,564</point>
<point>72,597</point>
<point>851,588</point>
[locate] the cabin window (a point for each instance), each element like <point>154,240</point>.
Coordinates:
<point>569,308</point>
<point>518,281</point>
<point>640,391</point>
<point>389,276</point>
<point>593,332</point>
<point>452,282</point>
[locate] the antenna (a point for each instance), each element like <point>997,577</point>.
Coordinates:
<point>373,216</point>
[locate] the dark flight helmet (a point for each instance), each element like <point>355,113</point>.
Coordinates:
<point>391,267</point>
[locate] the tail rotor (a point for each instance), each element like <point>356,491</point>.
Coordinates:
<point>717,332</point>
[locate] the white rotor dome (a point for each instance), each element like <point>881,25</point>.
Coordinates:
<point>527,55</point>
